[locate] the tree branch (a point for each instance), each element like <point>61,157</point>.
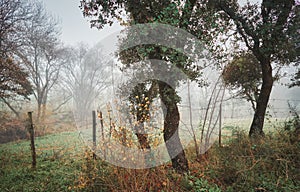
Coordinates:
<point>243,27</point>
<point>10,107</point>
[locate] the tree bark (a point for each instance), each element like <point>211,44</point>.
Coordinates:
<point>171,123</point>
<point>39,110</point>
<point>257,125</point>
<point>141,134</point>
<point>44,106</point>
<point>143,141</point>
<point>145,146</point>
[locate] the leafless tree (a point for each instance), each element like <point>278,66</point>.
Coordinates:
<point>42,54</point>
<point>13,15</point>
<point>86,76</point>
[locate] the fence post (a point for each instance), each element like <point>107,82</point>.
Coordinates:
<point>220,126</point>
<point>109,110</point>
<point>100,115</point>
<point>94,133</point>
<point>101,124</point>
<point>31,132</point>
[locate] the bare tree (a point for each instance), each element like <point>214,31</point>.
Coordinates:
<point>42,54</point>
<point>85,76</point>
<point>13,15</point>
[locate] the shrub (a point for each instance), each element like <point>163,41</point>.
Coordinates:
<point>271,164</point>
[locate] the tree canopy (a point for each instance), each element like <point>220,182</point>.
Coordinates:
<point>13,78</point>
<point>295,80</point>
<point>244,75</point>
<point>269,31</point>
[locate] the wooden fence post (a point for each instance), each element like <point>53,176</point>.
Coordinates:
<point>220,126</point>
<point>100,115</point>
<point>109,110</point>
<point>31,132</point>
<point>101,124</point>
<point>94,133</point>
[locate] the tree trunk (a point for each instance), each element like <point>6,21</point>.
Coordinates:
<point>44,107</point>
<point>141,134</point>
<point>171,123</point>
<point>143,140</point>
<point>39,111</point>
<point>256,128</point>
<point>145,146</point>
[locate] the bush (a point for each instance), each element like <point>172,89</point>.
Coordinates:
<point>271,164</point>
<point>11,129</point>
<point>292,125</point>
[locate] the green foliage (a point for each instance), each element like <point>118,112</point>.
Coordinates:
<point>292,124</point>
<point>163,12</point>
<point>169,15</point>
<point>268,31</point>
<point>244,73</point>
<point>295,80</point>
<point>192,183</point>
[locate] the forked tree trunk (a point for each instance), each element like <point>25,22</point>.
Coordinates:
<point>171,123</point>
<point>143,141</point>
<point>140,119</point>
<point>139,130</point>
<point>257,125</point>
<point>145,146</point>
<point>141,134</point>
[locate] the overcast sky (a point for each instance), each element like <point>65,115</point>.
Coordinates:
<point>75,28</point>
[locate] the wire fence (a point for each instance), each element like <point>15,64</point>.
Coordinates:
<point>239,113</point>
<point>235,113</point>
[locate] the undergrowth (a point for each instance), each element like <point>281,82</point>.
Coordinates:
<point>271,163</point>
<point>64,164</point>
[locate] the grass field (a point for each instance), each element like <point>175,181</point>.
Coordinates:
<point>64,163</point>
<point>58,163</point>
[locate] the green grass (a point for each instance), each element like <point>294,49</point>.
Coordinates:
<point>65,164</point>
<point>58,164</point>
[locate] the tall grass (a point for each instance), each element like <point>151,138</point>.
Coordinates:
<point>268,164</point>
